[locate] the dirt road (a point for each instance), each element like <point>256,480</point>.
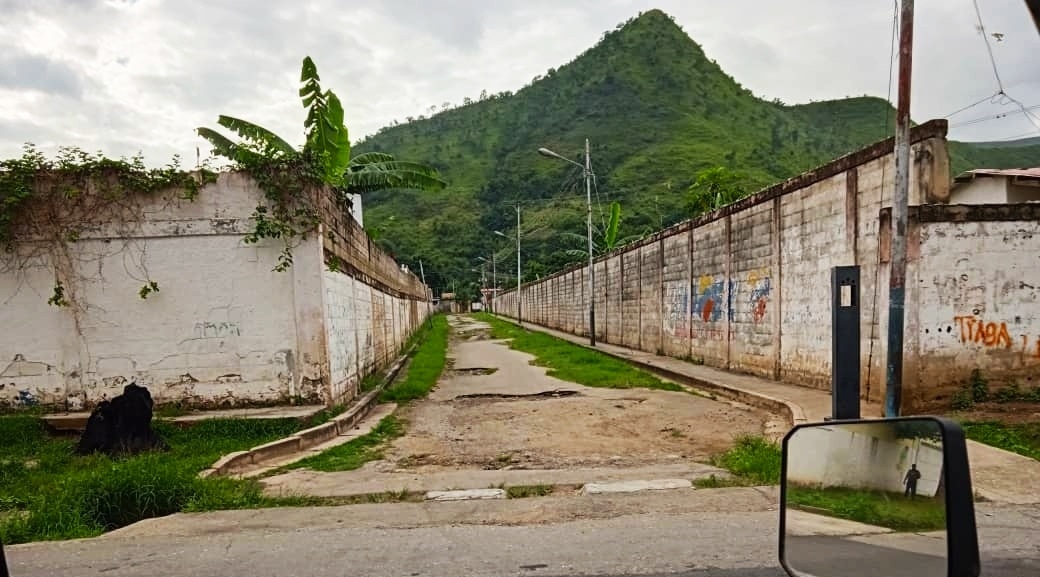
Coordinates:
<point>492,409</point>
<point>494,420</point>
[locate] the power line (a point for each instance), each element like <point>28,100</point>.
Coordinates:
<point>987,118</point>
<point>991,98</point>
<point>989,48</point>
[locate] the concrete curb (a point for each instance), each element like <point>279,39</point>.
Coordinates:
<point>791,411</point>
<point>237,462</point>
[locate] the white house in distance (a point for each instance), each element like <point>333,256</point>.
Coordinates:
<point>996,186</point>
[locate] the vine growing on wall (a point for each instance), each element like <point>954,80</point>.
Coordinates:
<point>47,205</point>
<point>285,173</point>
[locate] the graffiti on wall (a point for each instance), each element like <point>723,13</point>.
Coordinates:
<point>710,300</point>
<point>677,305</point>
<point>760,286</point>
<point>994,335</point>
<point>208,330</point>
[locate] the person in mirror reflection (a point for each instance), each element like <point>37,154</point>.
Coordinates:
<point>910,480</point>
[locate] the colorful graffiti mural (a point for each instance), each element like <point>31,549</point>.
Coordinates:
<point>760,286</point>
<point>710,299</point>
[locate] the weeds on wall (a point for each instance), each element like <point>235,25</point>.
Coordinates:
<point>977,390</point>
<point>48,204</point>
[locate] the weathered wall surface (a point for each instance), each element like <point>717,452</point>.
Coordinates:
<point>223,329</point>
<point>977,272</point>
<point>747,287</point>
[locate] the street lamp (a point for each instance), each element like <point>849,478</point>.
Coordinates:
<point>518,277</point>
<point>587,169</point>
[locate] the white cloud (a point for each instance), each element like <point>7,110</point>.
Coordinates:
<point>124,76</point>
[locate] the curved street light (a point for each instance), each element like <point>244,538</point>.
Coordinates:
<point>587,169</point>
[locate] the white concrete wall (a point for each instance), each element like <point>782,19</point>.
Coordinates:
<point>978,302</point>
<point>980,190</point>
<point>224,328</point>
<point>841,456</point>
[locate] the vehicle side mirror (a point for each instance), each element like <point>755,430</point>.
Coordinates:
<point>887,497</point>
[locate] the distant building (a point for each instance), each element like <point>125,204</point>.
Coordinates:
<point>355,209</point>
<point>996,186</point>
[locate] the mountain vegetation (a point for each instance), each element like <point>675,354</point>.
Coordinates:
<point>661,116</point>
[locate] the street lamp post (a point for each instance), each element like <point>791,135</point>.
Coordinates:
<point>518,277</point>
<point>587,170</point>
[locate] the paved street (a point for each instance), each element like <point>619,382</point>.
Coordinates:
<point>450,540</point>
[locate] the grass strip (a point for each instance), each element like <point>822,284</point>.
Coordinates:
<point>356,452</point>
<point>574,363</point>
<point>1023,438</point>
<point>879,508</point>
<point>425,366</point>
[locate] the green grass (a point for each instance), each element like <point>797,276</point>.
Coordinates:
<point>882,509</point>
<point>48,493</point>
<point>753,460</point>
<point>356,452</point>
<point>1023,438</point>
<point>524,491</point>
<point>425,367</point>
<point>574,363</point>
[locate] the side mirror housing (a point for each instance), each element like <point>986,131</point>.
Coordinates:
<point>888,497</point>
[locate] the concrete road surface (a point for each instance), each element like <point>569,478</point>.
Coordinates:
<point>380,540</point>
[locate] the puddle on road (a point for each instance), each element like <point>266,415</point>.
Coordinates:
<point>553,394</point>
<point>475,371</point>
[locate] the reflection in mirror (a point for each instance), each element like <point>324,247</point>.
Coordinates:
<point>865,499</point>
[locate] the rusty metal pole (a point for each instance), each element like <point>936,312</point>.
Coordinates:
<point>900,201</point>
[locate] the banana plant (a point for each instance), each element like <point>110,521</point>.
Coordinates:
<point>327,144</point>
<point>603,240</point>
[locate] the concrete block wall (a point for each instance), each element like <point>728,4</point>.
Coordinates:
<point>747,288</point>
<point>975,270</point>
<point>224,328</point>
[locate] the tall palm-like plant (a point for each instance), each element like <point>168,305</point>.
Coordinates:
<point>327,146</point>
<point>603,240</point>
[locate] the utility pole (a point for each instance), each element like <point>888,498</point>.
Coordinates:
<point>518,283</point>
<point>494,281</point>
<point>429,296</point>
<point>900,201</point>
<point>592,268</point>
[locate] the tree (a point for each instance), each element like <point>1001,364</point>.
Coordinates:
<point>327,147</point>
<point>712,189</point>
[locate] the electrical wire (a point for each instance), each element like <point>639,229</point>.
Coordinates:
<point>989,48</point>
<point>877,265</point>
<point>972,105</point>
<point>1022,110</point>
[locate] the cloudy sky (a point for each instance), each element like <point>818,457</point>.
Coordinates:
<point>139,75</point>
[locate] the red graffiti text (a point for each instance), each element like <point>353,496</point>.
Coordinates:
<point>976,330</point>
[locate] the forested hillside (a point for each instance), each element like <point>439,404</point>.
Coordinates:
<point>657,111</point>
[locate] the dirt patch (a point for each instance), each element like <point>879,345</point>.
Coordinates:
<point>1008,413</point>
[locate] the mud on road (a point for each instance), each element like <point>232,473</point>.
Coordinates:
<point>492,409</point>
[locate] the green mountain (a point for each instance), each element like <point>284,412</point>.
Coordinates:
<point>656,110</point>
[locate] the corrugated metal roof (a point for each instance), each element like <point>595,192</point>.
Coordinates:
<point>1020,172</point>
